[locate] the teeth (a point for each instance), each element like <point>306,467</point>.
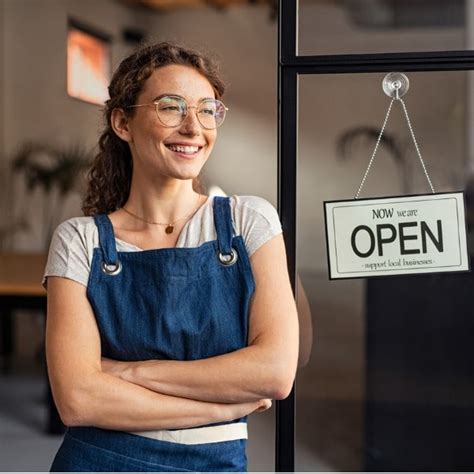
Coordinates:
<point>184,149</point>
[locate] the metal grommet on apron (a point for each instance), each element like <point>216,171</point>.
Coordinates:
<point>177,304</point>
<point>112,269</point>
<point>228,259</point>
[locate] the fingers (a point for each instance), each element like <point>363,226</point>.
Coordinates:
<point>264,404</point>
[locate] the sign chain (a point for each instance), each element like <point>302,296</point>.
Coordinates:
<point>375,149</point>
<point>416,146</point>
<point>378,143</point>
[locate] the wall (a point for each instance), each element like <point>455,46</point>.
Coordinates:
<point>36,105</point>
<point>3,206</point>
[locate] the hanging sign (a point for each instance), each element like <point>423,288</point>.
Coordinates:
<point>396,235</point>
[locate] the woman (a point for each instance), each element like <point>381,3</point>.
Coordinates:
<point>170,314</point>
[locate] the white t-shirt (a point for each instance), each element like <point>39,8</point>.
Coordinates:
<point>73,242</point>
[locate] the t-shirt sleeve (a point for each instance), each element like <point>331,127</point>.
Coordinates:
<point>256,220</point>
<point>68,255</point>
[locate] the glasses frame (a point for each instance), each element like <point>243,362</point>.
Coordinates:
<point>155,104</point>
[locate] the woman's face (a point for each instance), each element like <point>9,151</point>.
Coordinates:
<point>153,145</point>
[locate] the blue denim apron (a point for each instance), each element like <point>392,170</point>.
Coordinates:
<point>171,303</point>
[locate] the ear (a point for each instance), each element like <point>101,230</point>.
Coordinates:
<point>119,122</point>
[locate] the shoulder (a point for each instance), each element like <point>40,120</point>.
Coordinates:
<point>253,202</point>
<point>76,232</point>
<point>256,219</point>
<point>75,225</point>
<point>70,252</point>
<point>255,208</point>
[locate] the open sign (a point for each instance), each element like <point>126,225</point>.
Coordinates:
<point>396,235</point>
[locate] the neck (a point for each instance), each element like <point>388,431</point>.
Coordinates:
<point>163,202</point>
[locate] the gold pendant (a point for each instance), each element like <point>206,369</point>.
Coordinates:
<point>169,229</point>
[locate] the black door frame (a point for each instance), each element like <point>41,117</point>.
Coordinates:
<point>290,66</point>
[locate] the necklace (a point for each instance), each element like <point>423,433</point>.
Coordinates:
<point>170,225</point>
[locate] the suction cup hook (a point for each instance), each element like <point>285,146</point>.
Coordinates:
<point>395,85</point>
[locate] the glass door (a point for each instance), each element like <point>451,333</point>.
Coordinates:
<point>387,383</point>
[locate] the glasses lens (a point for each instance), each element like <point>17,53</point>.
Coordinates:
<point>171,110</point>
<point>211,113</point>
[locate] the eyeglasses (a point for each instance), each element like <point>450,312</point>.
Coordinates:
<point>171,111</point>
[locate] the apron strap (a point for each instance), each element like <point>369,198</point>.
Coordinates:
<point>223,224</point>
<point>106,239</point>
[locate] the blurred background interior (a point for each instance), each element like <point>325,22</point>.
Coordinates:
<point>389,382</point>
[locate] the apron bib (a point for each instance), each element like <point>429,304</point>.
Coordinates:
<point>171,303</point>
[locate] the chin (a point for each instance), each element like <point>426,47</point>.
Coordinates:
<point>190,172</point>
<point>186,176</point>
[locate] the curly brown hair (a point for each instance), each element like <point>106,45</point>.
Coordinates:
<point>110,175</point>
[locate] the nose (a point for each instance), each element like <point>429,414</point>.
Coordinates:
<point>190,124</point>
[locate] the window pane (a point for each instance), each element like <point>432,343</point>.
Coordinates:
<point>382,26</point>
<point>391,373</point>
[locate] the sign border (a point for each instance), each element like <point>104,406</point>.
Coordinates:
<point>390,197</point>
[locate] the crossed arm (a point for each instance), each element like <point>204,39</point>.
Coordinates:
<point>264,369</point>
<point>89,390</point>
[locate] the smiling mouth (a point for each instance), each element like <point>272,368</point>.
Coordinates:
<point>185,150</point>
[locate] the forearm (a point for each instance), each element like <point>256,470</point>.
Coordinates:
<point>245,375</point>
<point>108,402</point>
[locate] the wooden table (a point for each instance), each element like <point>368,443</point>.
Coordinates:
<point>21,273</point>
<point>20,288</point>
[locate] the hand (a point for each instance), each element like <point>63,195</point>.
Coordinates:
<point>264,404</point>
<point>233,411</point>
<point>117,368</point>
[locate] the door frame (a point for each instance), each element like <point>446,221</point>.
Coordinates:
<point>290,67</point>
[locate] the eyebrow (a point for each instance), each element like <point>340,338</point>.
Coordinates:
<point>158,97</point>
